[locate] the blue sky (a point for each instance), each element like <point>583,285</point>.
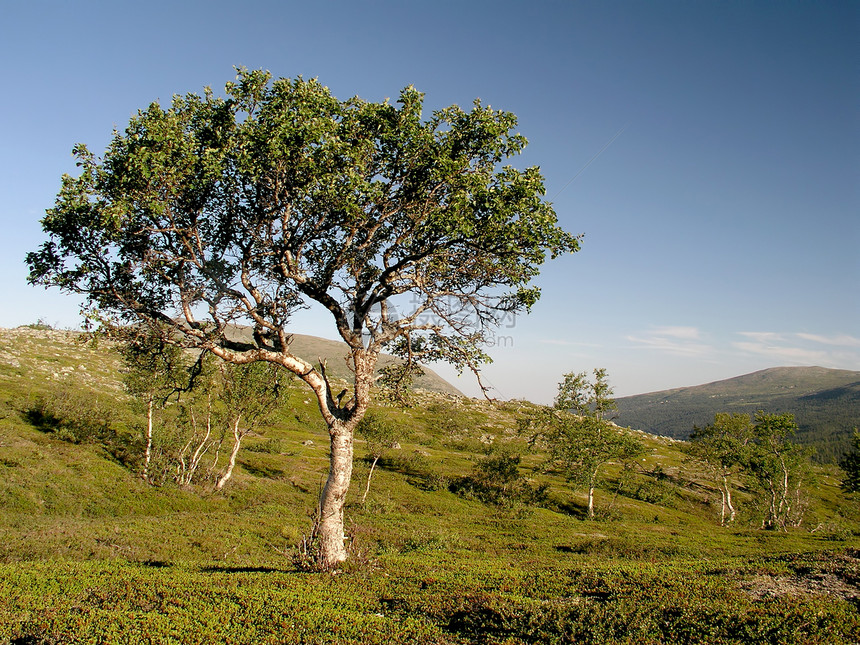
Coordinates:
<point>721,225</point>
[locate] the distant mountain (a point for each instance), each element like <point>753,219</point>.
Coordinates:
<point>312,348</point>
<point>825,404</point>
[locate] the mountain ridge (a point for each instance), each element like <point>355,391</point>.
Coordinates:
<point>825,402</point>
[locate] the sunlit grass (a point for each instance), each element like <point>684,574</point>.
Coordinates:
<point>91,553</point>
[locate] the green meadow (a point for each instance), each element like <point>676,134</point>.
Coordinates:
<point>91,553</point>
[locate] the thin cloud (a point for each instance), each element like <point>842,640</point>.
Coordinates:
<point>680,341</point>
<point>686,333</point>
<point>842,340</point>
<point>763,336</point>
<point>801,348</point>
<point>566,343</point>
<point>782,353</point>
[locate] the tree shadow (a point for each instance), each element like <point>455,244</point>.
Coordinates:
<point>262,471</point>
<point>225,569</point>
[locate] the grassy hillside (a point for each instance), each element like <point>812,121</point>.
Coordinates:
<point>825,402</point>
<point>91,553</point>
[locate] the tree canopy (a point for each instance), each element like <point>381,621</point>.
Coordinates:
<point>239,210</point>
<point>245,208</point>
<point>579,439</point>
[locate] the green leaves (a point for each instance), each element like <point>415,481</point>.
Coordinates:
<point>578,438</point>
<point>763,453</point>
<point>238,210</point>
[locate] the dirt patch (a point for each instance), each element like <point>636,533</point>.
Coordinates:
<point>836,575</point>
<point>827,584</point>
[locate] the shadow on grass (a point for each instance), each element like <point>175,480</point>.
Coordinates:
<point>263,472</point>
<point>223,569</point>
<point>156,564</point>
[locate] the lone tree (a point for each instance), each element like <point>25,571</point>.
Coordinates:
<point>580,440</point>
<point>252,395</point>
<point>217,212</point>
<point>381,436</point>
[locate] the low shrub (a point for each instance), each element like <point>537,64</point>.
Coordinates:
<point>84,417</point>
<point>496,479</point>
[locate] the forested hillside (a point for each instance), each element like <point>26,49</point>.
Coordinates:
<point>825,402</point>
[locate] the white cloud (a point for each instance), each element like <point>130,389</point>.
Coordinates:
<point>779,348</point>
<point>763,336</point>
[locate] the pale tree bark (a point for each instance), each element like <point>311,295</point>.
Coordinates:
<point>231,463</point>
<point>341,419</point>
<point>331,527</point>
<point>341,422</point>
<point>186,471</point>
<point>591,501</point>
<point>148,455</point>
<point>591,482</point>
<point>785,497</point>
<point>726,492</point>
<point>369,475</point>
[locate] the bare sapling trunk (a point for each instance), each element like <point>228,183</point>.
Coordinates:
<point>148,455</point>
<point>591,501</point>
<point>187,470</point>
<point>726,492</point>
<point>228,472</point>
<point>770,520</point>
<point>369,475</point>
<point>732,511</point>
<point>785,497</point>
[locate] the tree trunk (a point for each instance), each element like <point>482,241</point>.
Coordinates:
<point>330,531</point>
<point>732,511</point>
<point>369,475</point>
<point>785,498</point>
<point>591,500</point>
<point>341,427</point>
<point>237,440</point>
<point>148,457</point>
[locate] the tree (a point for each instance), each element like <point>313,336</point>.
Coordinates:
<point>850,463</point>
<point>154,370</point>
<point>579,438</point>
<point>216,212</point>
<point>380,435</point>
<point>200,425</point>
<point>779,470</point>
<point>723,448</point>
<point>396,382</point>
<point>252,394</point>
<point>496,479</point>
<point>577,395</point>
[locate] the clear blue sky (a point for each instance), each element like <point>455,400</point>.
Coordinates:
<point>722,226</point>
